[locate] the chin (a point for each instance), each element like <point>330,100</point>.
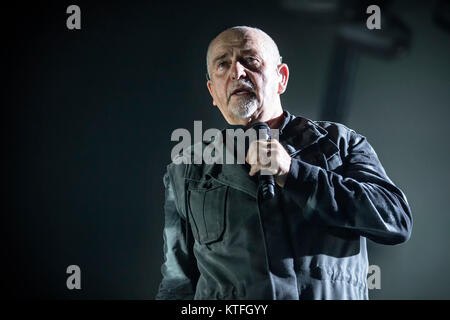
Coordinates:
<point>246,110</point>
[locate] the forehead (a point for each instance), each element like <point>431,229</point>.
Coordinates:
<point>236,41</point>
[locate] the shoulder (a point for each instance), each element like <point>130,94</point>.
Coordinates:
<point>335,129</point>
<point>332,135</point>
<point>340,133</point>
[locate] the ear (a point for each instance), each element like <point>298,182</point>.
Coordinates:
<point>209,85</point>
<point>283,71</point>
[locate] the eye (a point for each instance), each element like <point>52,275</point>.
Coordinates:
<point>221,64</point>
<point>252,62</point>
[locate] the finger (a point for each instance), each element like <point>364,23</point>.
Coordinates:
<point>263,143</point>
<point>251,157</point>
<point>254,151</point>
<point>267,171</point>
<point>264,156</point>
<point>259,151</point>
<point>254,169</point>
<point>263,170</point>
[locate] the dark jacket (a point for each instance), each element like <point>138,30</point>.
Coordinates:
<point>307,243</point>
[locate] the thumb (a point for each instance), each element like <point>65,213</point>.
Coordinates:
<point>253,170</point>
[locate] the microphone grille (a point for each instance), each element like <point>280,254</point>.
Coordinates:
<point>262,130</point>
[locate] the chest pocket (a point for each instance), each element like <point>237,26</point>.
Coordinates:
<point>207,207</point>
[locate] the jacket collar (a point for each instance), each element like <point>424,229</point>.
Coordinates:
<point>300,133</point>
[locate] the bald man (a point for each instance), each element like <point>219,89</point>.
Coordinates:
<point>223,241</point>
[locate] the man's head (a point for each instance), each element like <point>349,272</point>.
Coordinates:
<point>246,76</point>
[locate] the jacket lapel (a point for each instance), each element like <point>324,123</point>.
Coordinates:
<point>301,133</point>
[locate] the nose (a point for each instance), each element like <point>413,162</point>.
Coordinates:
<point>238,71</point>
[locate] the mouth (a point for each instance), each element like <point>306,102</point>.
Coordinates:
<point>241,92</point>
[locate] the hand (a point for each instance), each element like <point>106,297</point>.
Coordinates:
<point>270,156</point>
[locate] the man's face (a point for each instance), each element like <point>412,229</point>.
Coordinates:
<point>244,76</point>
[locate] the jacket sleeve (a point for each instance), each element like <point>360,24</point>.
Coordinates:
<point>179,270</point>
<point>361,197</point>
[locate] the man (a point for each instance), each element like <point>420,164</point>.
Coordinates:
<point>309,242</point>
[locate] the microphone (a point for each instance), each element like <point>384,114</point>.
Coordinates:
<point>266,186</point>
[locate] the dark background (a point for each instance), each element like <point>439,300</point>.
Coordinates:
<point>87,117</point>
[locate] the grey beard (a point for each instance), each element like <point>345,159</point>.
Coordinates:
<point>245,108</point>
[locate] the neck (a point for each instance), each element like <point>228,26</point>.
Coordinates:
<point>276,123</point>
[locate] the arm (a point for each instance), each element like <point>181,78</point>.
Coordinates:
<point>179,270</point>
<point>362,198</point>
